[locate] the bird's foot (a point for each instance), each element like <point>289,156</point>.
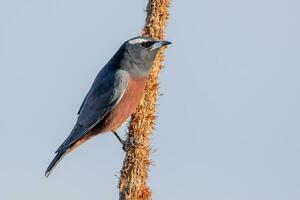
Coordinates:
<point>128,144</point>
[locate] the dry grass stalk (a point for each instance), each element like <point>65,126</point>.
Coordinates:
<point>134,174</point>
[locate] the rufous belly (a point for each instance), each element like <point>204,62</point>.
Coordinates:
<point>120,113</point>
<point>126,106</point>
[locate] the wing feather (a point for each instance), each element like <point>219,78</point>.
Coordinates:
<point>105,93</point>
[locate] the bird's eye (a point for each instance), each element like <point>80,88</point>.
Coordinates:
<point>147,44</point>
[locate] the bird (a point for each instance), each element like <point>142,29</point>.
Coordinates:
<point>114,95</point>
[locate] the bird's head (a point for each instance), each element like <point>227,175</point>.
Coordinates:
<point>139,54</point>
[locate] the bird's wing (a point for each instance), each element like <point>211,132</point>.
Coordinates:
<point>81,105</point>
<point>105,93</point>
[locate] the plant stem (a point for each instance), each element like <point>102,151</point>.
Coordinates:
<point>134,173</point>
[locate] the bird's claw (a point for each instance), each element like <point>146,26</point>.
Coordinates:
<point>128,144</point>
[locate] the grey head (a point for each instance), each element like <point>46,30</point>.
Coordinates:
<point>136,55</point>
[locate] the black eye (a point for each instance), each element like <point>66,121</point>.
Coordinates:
<point>147,44</point>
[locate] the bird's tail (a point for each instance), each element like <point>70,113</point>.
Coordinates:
<point>59,155</point>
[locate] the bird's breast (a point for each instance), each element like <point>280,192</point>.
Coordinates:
<point>127,105</point>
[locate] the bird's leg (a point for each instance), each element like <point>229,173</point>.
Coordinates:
<point>118,137</point>
<point>120,140</point>
<point>125,144</point>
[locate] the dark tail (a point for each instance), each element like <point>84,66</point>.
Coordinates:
<point>59,155</point>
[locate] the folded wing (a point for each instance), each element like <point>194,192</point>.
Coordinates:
<point>105,93</point>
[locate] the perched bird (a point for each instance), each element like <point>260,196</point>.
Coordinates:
<point>114,94</point>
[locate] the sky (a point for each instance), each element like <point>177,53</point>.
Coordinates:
<point>228,120</point>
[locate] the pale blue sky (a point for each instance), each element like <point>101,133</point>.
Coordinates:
<point>228,126</point>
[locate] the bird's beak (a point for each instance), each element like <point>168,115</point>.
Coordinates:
<point>159,44</point>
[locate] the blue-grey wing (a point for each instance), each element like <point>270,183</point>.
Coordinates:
<point>105,93</point>
<point>81,105</point>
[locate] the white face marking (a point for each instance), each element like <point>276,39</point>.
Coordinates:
<point>137,41</point>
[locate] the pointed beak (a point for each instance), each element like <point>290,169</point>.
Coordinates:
<point>159,44</point>
<point>165,43</point>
